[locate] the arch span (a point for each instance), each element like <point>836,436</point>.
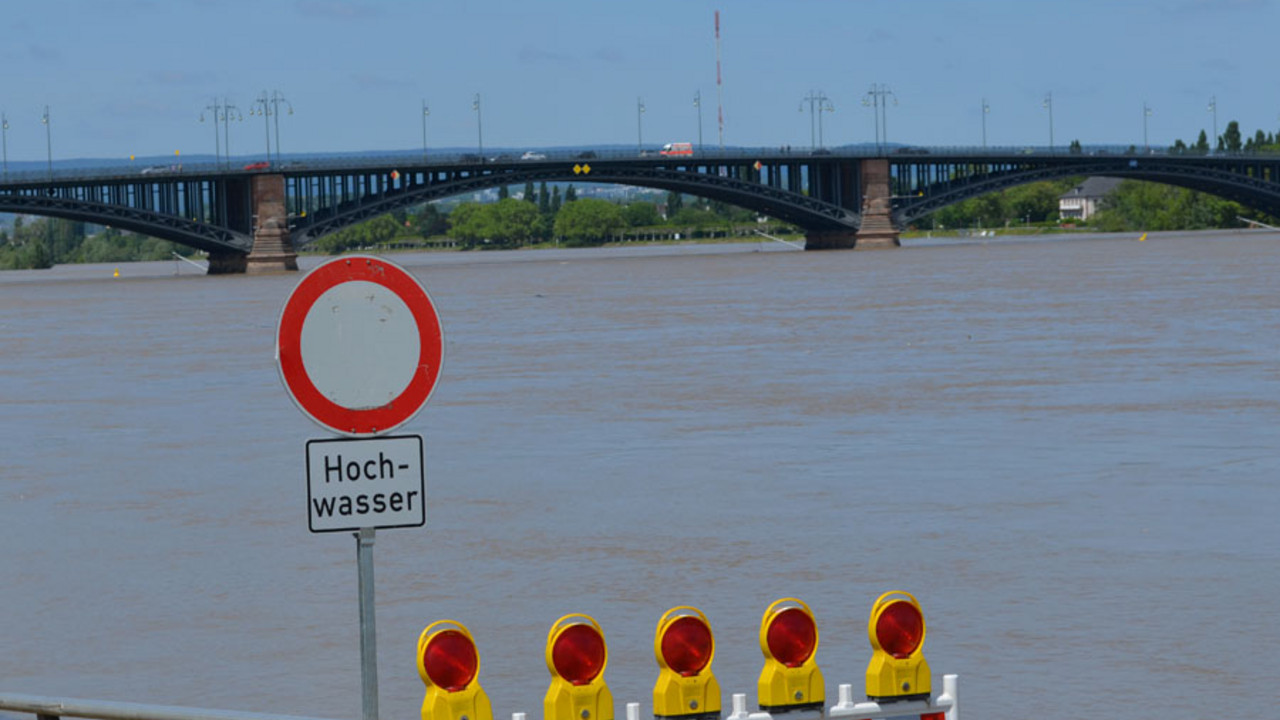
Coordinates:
<point>708,182</point>
<point>1251,184</point>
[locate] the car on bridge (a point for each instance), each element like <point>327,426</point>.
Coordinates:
<point>531,155</point>
<point>262,165</point>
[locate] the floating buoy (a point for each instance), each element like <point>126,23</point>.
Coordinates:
<point>116,273</point>
<point>1143,238</point>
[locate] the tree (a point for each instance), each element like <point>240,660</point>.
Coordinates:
<point>503,193</point>
<point>1231,141</point>
<point>588,221</point>
<point>431,222</point>
<point>570,194</point>
<point>555,200</point>
<point>641,214</point>
<point>514,221</point>
<point>1075,148</point>
<point>470,225</point>
<point>675,202</point>
<point>544,200</point>
<point>1202,144</point>
<point>528,193</point>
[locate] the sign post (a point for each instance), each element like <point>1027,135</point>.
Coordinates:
<point>359,347</point>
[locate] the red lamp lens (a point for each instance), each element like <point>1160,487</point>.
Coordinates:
<point>450,660</point>
<point>792,637</point>
<point>686,645</point>
<point>900,629</point>
<point>578,654</point>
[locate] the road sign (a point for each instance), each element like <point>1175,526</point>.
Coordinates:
<point>359,345</point>
<point>355,483</point>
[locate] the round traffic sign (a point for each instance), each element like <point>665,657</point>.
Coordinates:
<point>359,345</point>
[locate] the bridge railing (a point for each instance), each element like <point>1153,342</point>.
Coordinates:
<point>507,158</point>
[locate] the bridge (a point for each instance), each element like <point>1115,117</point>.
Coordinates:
<point>251,218</point>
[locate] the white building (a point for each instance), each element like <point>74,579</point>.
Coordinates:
<point>1082,202</point>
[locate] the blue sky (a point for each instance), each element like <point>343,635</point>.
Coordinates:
<point>126,77</point>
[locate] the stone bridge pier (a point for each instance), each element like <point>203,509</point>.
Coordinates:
<point>876,207</point>
<point>272,250</point>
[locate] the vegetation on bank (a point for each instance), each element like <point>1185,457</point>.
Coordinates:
<point>50,241</point>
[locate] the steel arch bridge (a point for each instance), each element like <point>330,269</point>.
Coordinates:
<point>840,199</point>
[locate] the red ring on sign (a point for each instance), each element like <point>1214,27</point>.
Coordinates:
<point>293,372</point>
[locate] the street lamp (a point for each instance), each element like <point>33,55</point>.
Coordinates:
<point>425,112</point>
<point>475,105</point>
<point>1146,113</point>
<point>697,102</point>
<point>268,106</point>
<point>48,136</point>
<point>818,104</point>
<point>986,110</point>
<point>1213,108</point>
<point>877,98</point>
<point>221,113</point>
<point>4,140</point>
<point>1048,105</point>
<point>217,139</point>
<point>639,125</point>
<point>262,107</point>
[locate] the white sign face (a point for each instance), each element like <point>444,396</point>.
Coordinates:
<point>360,345</point>
<point>365,483</point>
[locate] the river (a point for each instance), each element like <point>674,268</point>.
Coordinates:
<point>1067,450</point>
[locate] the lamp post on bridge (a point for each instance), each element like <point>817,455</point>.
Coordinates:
<point>48,136</point>
<point>475,105</point>
<point>1213,108</point>
<point>818,104</point>
<point>697,102</point>
<point>877,98</point>
<point>4,139</point>
<point>223,112</point>
<point>986,110</point>
<point>268,106</point>
<point>425,112</point>
<point>1146,113</point>
<point>1048,105</point>
<point>639,125</point>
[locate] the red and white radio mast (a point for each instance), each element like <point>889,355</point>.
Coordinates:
<point>719,84</point>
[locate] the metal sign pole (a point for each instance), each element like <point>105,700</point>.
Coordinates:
<point>368,634</point>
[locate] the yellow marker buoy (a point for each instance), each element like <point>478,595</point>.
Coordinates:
<point>117,273</point>
<point>1143,238</point>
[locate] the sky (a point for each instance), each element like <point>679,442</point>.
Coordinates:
<point>132,77</point>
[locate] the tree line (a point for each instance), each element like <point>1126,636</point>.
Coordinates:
<point>538,215</point>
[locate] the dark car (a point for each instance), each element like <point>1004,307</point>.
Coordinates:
<point>504,157</point>
<point>820,151</point>
<point>588,155</point>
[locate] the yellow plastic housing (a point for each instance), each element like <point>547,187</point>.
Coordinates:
<point>470,702</point>
<point>782,688</point>
<point>890,678</point>
<point>566,701</point>
<point>676,695</point>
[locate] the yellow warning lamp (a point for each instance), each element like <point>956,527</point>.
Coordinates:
<point>898,670</point>
<point>791,679</point>
<point>576,657</point>
<point>685,646</point>
<point>448,664</point>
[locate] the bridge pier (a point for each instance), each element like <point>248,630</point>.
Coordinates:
<point>877,230</point>
<point>272,250</point>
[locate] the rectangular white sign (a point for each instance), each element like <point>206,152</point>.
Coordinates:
<point>376,482</point>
